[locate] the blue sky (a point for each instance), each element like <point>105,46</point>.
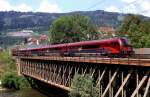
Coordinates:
<point>123,6</point>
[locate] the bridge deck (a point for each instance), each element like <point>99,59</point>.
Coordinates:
<point>119,61</point>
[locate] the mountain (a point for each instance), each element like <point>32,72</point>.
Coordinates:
<point>11,20</point>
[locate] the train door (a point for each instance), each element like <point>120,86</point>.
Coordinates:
<point>115,47</point>
<point>126,47</point>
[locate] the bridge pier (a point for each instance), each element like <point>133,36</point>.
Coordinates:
<point>113,80</point>
<point>18,62</point>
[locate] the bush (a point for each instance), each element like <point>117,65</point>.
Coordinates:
<point>12,81</point>
<point>83,86</point>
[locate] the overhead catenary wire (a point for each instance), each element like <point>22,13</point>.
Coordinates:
<point>134,2</point>
<point>96,4</point>
<point>122,8</point>
<point>103,1</point>
<point>127,5</point>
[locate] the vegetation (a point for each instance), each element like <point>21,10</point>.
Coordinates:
<point>7,41</point>
<point>12,81</point>
<point>72,28</point>
<point>83,86</point>
<point>137,29</point>
<point>8,73</point>
<point>7,64</point>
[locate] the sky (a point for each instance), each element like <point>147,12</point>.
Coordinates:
<point>64,6</point>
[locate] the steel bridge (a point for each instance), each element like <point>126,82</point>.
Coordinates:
<point>115,77</point>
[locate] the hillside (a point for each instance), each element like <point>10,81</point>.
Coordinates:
<point>12,20</point>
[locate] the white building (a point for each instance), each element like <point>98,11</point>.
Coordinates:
<point>24,33</point>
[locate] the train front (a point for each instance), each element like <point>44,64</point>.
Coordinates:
<point>126,47</point>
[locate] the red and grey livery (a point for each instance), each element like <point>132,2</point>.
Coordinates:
<point>113,46</point>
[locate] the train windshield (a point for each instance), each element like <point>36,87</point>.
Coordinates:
<point>125,42</point>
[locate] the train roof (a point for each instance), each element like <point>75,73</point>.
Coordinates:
<point>43,47</point>
<point>92,42</point>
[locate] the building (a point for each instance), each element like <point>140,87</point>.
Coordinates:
<point>1,49</point>
<point>32,41</point>
<point>23,33</point>
<point>107,31</point>
<point>43,39</point>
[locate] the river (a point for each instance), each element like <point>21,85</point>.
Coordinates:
<point>22,93</point>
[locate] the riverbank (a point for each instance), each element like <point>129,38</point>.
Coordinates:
<point>2,89</point>
<point>21,93</point>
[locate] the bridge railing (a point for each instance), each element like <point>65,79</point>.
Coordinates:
<point>136,59</point>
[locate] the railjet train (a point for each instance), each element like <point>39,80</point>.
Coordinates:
<point>106,47</point>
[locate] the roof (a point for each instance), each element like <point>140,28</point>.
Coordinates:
<point>44,37</point>
<point>24,33</point>
<point>108,30</point>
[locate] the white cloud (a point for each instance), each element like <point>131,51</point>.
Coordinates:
<point>130,9</point>
<point>45,6</point>
<point>128,1</point>
<point>6,6</point>
<point>23,7</point>
<point>112,8</point>
<point>132,6</point>
<point>145,5</point>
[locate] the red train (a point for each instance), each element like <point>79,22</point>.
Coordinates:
<point>114,46</point>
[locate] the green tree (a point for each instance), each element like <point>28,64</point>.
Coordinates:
<point>72,28</point>
<point>128,22</point>
<point>83,86</point>
<point>136,29</point>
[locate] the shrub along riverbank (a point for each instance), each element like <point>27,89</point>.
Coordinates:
<point>84,86</point>
<point>8,73</point>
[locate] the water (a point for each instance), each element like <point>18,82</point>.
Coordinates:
<point>22,93</point>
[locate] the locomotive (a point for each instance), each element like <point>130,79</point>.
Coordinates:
<point>114,46</point>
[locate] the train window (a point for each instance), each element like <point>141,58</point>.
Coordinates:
<point>55,49</point>
<point>90,46</point>
<point>115,44</point>
<point>102,45</point>
<point>74,47</point>
<point>125,42</point>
